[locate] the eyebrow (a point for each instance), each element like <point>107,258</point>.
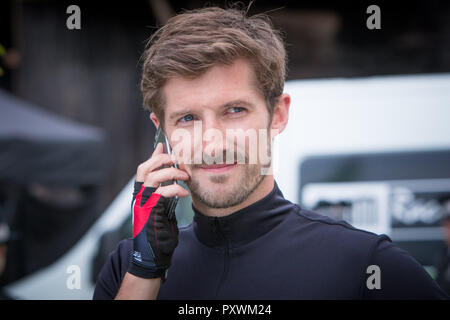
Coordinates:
<point>229,104</point>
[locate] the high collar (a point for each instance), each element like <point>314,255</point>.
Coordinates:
<point>244,225</point>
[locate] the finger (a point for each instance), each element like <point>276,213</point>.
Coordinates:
<point>155,178</point>
<point>159,149</point>
<point>172,191</point>
<point>155,162</point>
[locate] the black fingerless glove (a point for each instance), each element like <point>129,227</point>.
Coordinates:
<point>155,237</point>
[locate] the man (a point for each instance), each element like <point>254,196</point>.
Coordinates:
<point>225,71</point>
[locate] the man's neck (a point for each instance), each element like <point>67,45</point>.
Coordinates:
<point>263,189</point>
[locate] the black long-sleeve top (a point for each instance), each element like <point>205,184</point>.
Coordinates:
<point>273,249</point>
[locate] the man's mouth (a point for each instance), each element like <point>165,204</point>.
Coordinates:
<point>218,168</point>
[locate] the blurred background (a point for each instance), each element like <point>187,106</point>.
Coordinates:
<point>370,119</point>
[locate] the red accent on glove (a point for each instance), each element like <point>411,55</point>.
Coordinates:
<point>141,213</point>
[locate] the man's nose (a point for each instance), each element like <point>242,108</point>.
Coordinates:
<point>210,122</point>
<point>213,134</point>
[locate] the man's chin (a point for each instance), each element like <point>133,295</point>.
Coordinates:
<point>224,190</point>
<point>214,194</point>
<point>216,189</point>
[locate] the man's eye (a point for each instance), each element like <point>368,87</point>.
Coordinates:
<point>235,110</point>
<point>186,118</point>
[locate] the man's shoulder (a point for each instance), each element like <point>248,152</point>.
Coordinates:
<point>338,229</point>
<point>342,240</point>
<point>320,233</point>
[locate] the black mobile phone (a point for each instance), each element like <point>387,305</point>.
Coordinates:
<point>161,137</point>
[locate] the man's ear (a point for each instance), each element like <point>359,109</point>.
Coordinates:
<point>281,114</point>
<point>154,119</point>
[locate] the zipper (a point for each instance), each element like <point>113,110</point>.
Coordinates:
<point>226,261</point>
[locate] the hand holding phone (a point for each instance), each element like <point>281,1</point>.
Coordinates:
<point>160,137</point>
<point>161,171</point>
<point>155,230</point>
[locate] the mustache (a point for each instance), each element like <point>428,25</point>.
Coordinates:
<point>223,157</point>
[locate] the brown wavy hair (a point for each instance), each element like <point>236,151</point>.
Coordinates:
<point>194,41</point>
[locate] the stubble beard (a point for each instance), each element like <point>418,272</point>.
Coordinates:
<point>239,189</point>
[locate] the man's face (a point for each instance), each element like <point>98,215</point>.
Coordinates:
<point>221,101</point>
